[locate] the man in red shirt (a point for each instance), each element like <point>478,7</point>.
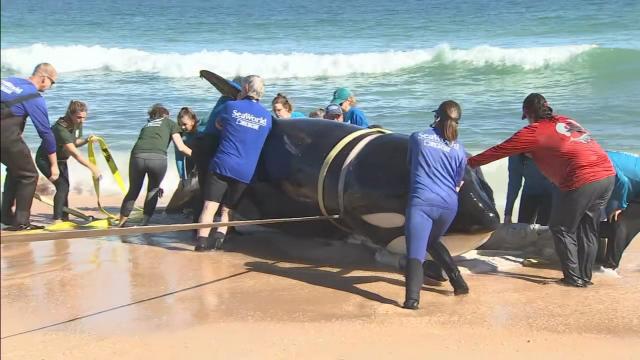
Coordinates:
<point>570,158</point>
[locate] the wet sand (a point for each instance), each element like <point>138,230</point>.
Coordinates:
<point>270,296</point>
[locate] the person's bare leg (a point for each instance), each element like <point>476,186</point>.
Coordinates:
<point>208,211</point>
<point>225,215</point>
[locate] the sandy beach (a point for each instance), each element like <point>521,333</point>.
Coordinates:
<point>271,296</point>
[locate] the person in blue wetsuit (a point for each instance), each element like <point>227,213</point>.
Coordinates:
<point>243,125</point>
<point>537,192</point>
<point>347,101</point>
<point>20,99</point>
<point>437,162</point>
<point>191,127</point>
<point>283,108</point>
<point>623,208</point>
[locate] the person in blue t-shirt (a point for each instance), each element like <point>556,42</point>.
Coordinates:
<point>210,127</point>
<point>244,125</point>
<point>283,108</point>
<point>347,101</point>
<point>437,162</point>
<point>537,192</point>
<point>21,99</point>
<point>623,207</point>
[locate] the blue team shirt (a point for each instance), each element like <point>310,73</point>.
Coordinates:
<point>211,128</point>
<point>355,116</point>
<point>535,183</point>
<point>297,115</point>
<point>437,168</point>
<point>245,126</point>
<point>627,186</point>
<point>35,108</point>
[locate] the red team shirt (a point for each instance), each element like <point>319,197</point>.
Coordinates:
<point>563,150</point>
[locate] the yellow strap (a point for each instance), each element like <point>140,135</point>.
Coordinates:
<point>332,154</point>
<point>112,166</point>
<point>96,182</point>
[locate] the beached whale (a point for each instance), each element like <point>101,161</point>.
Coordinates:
<point>311,167</point>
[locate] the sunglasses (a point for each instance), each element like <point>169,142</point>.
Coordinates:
<point>53,82</point>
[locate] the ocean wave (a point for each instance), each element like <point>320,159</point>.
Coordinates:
<point>293,65</point>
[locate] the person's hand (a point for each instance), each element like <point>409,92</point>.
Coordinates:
<point>614,215</point>
<point>96,173</point>
<point>507,219</point>
<point>55,172</point>
<point>91,138</point>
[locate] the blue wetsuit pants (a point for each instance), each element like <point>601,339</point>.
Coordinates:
<point>425,224</point>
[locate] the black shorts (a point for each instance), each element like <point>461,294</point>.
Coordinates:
<point>223,190</point>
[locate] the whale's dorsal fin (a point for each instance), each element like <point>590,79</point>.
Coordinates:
<point>226,87</point>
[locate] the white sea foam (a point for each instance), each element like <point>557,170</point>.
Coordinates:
<point>293,65</point>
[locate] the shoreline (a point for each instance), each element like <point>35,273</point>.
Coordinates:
<point>269,295</point>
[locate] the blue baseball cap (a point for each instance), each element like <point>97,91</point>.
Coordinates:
<point>333,109</point>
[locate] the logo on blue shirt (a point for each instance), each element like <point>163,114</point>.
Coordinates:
<point>248,120</point>
<point>434,141</point>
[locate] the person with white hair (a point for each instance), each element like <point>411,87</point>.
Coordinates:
<point>243,125</point>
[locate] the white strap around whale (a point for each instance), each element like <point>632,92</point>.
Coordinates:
<point>329,159</point>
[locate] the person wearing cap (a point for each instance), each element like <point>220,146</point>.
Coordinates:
<point>333,112</point>
<point>623,208</point>
<point>567,154</point>
<point>347,101</point>
<point>437,164</point>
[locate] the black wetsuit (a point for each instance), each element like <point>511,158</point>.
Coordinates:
<point>22,176</point>
<point>155,167</point>
<point>620,233</point>
<point>149,157</point>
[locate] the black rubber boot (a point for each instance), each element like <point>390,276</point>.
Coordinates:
<point>433,271</point>
<point>203,244</point>
<point>413,283</point>
<point>442,256</point>
<point>460,286</point>
<point>216,239</point>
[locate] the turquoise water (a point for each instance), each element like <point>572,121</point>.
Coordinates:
<point>400,58</point>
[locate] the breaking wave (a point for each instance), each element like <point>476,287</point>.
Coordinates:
<point>293,65</point>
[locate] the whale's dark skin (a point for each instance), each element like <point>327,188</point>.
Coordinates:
<point>375,182</point>
<point>372,197</point>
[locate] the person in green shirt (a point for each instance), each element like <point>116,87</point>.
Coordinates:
<point>68,134</point>
<point>149,158</point>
